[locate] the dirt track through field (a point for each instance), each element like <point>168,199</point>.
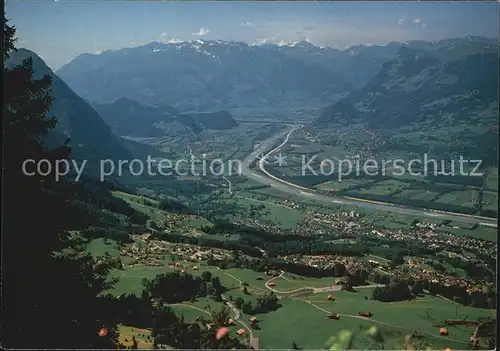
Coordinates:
<point>241,282</point>
<point>380,322</point>
<point>192,306</point>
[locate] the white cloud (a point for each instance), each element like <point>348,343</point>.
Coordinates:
<point>202,32</point>
<point>415,23</point>
<point>266,40</point>
<point>275,40</point>
<point>305,29</point>
<point>98,52</point>
<point>174,41</point>
<point>247,24</point>
<point>285,42</point>
<point>419,23</point>
<point>163,37</point>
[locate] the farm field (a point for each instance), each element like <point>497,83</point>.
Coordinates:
<point>197,222</point>
<point>331,153</point>
<point>249,276</point>
<point>422,194</point>
<point>460,225</point>
<point>287,218</point>
<point>248,183</point>
<point>132,198</point>
<point>290,282</point>
<point>312,329</point>
<point>490,200</point>
<point>481,232</point>
<point>385,187</point>
<point>395,173</point>
<point>389,220</point>
<point>194,309</point>
<point>463,198</point>
<point>289,170</point>
<point>99,247</point>
<point>130,279</point>
<point>492,179</point>
<point>378,259</point>
<point>306,149</point>
<point>269,191</point>
<point>342,185</point>
<point>135,202</point>
<point>428,312</point>
<point>143,336</point>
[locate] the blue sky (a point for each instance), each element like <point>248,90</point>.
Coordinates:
<point>60,30</point>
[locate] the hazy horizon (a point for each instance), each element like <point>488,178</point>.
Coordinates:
<point>61,30</point>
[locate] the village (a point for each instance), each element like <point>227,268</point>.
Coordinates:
<point>152,253</point>
<point>349,227</point>
<point>350,224</point>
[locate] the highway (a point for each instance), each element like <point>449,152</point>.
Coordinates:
<point>266,148</point>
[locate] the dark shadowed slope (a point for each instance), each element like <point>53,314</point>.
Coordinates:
<point>90,137</point>
<point>130,118</point>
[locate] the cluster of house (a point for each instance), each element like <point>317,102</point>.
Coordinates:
<point>412,268</point>
<point>350,263</point>
<point>418,273</point>
<point>151,253</point>
<point>313,223</point>
<point>242,331</point>
<point>440,240</point>
<point>345,224</point>
<point>144,254</point>
<point>174,222</point>
<point>292,204</point>
<point>350,225</point>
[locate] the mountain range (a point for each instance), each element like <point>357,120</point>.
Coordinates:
<point>205,75</point>
<point>448,99</point>
<point>162,89</point>
<point>199,76</point>
<point>359,63</point>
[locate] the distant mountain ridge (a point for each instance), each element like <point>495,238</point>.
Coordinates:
<point>89,136</point>
<point>359,63</point>
<point>421,92</point>
<point>200,76</point>
<point>402,91</point>
<point>130,118</point>
<point>205,75</point>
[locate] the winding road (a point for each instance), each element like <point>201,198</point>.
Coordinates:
<point>236,318</point>
<point>335,288</point>
<point>314,290</point>
<point>266,149</point>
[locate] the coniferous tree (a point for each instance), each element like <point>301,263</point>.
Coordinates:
<point>134,343</point>
<point>50,290</point>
